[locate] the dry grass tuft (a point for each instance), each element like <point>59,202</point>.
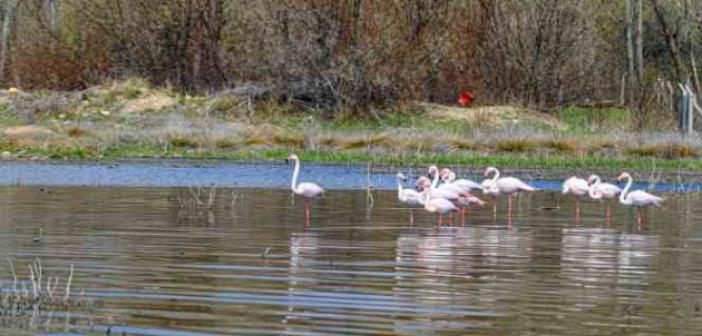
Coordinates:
<point>366,141</point>
<point>290,139</point>
<point>224,143</point>
<point>566,146</point>
<point>673,150</point>
<point>463,144</point>
<point>76,131</point>
<point>514,145</point>
<point>182,141</point>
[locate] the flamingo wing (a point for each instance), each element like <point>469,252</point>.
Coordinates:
<point>467,184</point>
<point>575,186</point>
<point>512,184</point>
<point>609,190</point>
<point>443,205</point>
<point>642,198</point>
<point>444,194</point>
<point>309,190</point>
<point>411,197</point>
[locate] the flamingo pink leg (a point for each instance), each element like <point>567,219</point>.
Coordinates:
<point>639,219</point>
<point>439,219</point>
<point>307,211</point>
<point>577,206</point>
<point>608,215</point>
<point>463,215</point>
<point>450,218</point>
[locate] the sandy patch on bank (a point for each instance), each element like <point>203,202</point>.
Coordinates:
<point>154,102</point>
<point>28,131</point>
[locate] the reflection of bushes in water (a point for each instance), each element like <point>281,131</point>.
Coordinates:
<point>34,303</point>
<point>197,204</point>
<point>205,198</point>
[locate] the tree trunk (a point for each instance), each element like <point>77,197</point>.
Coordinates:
<point>669,40</point>
<point>8,22</point>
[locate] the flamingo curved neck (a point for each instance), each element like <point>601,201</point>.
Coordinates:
<point>435,181</point>
<point>296,171</point>
<point>593,189</point>
<point>399,187</point>
<point>497,174</point>
<point>625,192</point>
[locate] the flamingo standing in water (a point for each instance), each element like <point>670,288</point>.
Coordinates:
<point>449,194</point>
<point>504,185</point>
<point>439,206</point>
<point>637,198</point>
<point>408,196</point>
<point>576,187</point>
<point>599,190</point>
<point>305,189</point>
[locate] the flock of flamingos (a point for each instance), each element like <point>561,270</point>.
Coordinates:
<point>441,193</point>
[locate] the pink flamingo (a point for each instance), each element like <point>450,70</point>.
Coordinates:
<point>637,198</point>
<point>505,185</point>
<point>304,189</point>
<point>467,200</point>
<point>449,179</point>
<point>576,187</point>
<point>599,190</point>
<point>439,206</point>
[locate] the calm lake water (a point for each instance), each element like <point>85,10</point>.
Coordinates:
<point>144,265</point>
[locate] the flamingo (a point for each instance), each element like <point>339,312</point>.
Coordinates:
<point>449,178</point>
<point>599,190</point>
<point>576,187</point>
<point>305,189</point>
<point>637,198</point>
<point>504,185</point>
<point>467,200</point>
<point>439,206</point>
<point>408,196</point>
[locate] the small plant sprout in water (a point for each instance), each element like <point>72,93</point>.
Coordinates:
<point>35,301</point>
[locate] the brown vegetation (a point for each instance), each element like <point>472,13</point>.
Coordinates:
<point>356,55</point>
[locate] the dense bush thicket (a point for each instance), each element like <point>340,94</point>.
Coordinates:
<point>350,54</point>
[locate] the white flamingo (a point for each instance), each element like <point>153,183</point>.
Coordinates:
<point>405,195</point>
<point>637,198</point>
<point>439,206</point>
<point>505,185</point>
<point>305,189</point>
<point>449,179</point>
<point>577,187</point>
<point>599,190</point>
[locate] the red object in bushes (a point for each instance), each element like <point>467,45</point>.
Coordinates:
<point>466,98</point>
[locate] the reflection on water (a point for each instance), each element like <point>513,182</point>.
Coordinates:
<point>251,267</point>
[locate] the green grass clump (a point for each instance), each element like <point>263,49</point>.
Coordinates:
<point>581,119</point>
<point>223,104</point>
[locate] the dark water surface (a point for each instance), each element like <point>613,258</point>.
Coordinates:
<point>146,266</point>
